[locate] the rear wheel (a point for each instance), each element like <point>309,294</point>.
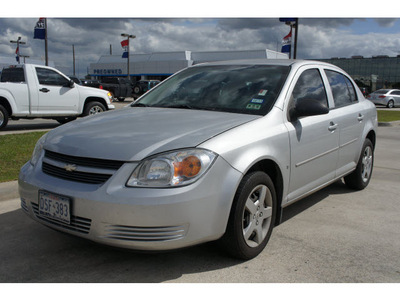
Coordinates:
<point>252,217</point>
<point>137,89</point>
<point>3,117</point>
<point>360,177</point>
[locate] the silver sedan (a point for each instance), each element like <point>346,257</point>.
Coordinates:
<point>385,97</point>
<point>215,152</point>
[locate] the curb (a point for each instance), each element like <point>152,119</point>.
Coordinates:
<point>389,124</point>
<point>9,190</point>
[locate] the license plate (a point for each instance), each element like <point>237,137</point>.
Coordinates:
<point>55,207</point>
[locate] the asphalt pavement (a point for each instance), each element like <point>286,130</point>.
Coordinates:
<point>335,235</point>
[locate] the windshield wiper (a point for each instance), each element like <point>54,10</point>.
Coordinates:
<point>139,105</point>
<point>185,106</point>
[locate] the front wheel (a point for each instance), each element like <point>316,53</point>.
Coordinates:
<point>360,177</point>
<point>93,108</point>
<point>252,216</point>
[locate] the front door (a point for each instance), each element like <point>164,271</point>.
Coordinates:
<point>56,97</point>
<point>314,140</point>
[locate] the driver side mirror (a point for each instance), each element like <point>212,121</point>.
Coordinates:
<point>307,107</point>
<point>69,84</point>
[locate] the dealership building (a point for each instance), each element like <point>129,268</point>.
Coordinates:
<point>372,72</point>
<point>160,65</point>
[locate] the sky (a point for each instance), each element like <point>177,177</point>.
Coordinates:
<point>254,25</point>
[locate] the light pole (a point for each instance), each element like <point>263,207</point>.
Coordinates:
<point>24,57</point>
<point>18,42</point>
<point>129,36</point>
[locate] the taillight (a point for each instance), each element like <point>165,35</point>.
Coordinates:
<point>382,96</point>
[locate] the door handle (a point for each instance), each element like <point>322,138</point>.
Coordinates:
<point>360,117</point>
<point>44,90</point>
<point>332,126</point>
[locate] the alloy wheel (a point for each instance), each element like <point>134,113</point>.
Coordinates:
<point>257,215</point>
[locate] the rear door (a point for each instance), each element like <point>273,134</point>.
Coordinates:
<point>55,95</point>
<point>350,119</point>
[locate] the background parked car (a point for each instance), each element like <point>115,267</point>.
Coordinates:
<point>120,88</point>
<point>386,97</point>
<point>143,86</point>
<point>92,83</point>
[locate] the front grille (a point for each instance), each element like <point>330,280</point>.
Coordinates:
<point>81,169</point>
<point>77,224</point>
<point>145,234</point>
<point>84,161</point>
<point>84,177</point>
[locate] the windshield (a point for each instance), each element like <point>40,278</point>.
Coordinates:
<point>239,89</point>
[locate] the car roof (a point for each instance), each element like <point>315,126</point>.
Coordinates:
<point>280,62</point>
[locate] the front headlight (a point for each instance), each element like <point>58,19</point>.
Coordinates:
<point>38,150</point>
<point>110,97</point>
<point>172,169</point>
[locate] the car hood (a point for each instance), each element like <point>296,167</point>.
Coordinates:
<point>131,134</point>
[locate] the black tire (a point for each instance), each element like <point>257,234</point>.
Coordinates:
<point>121,99</point>
<point>3,117</point>
<point>137,89</point>
<point>252,217</point>
<point>390,104</point>
<point>93,108</point>
<point>360,177</point>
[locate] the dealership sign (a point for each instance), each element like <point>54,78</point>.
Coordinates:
<point>107,71</point>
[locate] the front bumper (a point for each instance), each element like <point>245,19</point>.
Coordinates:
<point>138,218</point>
<point>110,106</point>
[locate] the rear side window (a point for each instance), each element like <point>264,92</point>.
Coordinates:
<point>342,89</point>
<point>310,86</point>
<point>13,75</point>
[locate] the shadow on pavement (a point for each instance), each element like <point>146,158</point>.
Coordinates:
<point>298,207</point>
<point>33,125</point>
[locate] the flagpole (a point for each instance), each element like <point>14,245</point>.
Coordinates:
<point>45,43</point>
<point>129,36</point>
<point>296,31</point>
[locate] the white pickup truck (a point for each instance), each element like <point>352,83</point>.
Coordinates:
<point>33,91</point>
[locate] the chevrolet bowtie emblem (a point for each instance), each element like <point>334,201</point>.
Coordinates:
<point>70,168</point>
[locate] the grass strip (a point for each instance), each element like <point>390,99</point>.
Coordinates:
<point>15,151</point>
<point>388,115</point>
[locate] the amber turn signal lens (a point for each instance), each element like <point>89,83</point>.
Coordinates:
<point>188,167</point>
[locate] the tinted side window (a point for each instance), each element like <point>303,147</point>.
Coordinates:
<point>342,89</point>
<point>310,86</point>
<point>13,75</point>
<point>396,93</point>
<point>50,77</point>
